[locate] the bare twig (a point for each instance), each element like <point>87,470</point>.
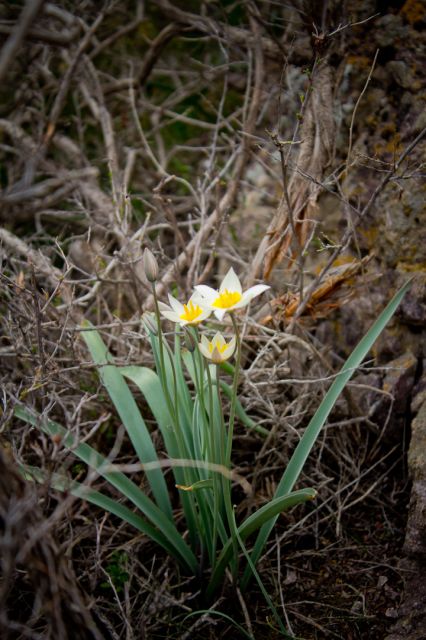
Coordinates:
<point>41,262</point>
<point>119,33</point>
<point>235,35</point>
<point>227,200</point>
<point>62,39</point>
<point>155,50</point>
<point>59,103</point>
<point>347,235</point>
<point>10,48</point>
<point>367,82</point>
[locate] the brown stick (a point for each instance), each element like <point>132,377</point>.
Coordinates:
<point>229,197</point>
<point>300,195</point>
<point>41,263</point>
<point>63,39</point>
<point>59,103</point>
<point>235,35</point>
<point>347,235</point>
<point>154,52</point>
<point>28,15</point>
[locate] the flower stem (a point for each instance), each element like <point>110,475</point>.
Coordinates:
<point>234,393</point>
<point>170,406</point>
<point>227,485</point>
<point>213,458</point>
<point>192,516</point>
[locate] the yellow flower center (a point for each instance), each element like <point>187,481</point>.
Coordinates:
<point>191,312</point>
<point>227,299</point>
<point>220,346</point>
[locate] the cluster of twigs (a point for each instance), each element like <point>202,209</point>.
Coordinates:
<point>131,124</point>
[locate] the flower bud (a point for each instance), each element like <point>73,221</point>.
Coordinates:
<point>190,342</point>
<point>150,265</point>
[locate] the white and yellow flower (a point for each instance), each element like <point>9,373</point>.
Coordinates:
<point>217,349</point>
<point>230,295</point>
<point>194,312</point>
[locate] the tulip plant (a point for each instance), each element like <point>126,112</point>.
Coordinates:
<point>184,394</point>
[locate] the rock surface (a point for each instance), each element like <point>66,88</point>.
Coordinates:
<point>412,622</point>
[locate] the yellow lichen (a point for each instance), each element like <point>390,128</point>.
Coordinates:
<point>414,11</point>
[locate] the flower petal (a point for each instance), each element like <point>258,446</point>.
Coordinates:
<point>199,301</point>
<point>204,349</point>
<point>205,341</point>
<point>171,315</point>
<point>218,337</point>
<point>229,349</point>
<point>176,305</point>
<point>231,282</point>
<point>250,294</point>
<point>204,315</point>
<point>219,313</point>
<point>197,298</point>
<point>216,356</point>
<point>207,294</point>
<point>163,306</point>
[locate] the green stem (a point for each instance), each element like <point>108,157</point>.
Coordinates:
<point>234,393</point>
<point>212,451</point>
<point>194,524</point>
<point>198,362</point>
<point>162,372</point>
<point>213,458</point>
<point>227,485</point>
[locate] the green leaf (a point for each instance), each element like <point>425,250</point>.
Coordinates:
<point>269,511</point>
<point>240,412</point>
<point>182,388</point>
<point>168,378</point>
<point>227,389</point>
<point>314,427</point>
<point>62,483</point>
<point>182,420</point>
<point>130,415</point>
<point>118,480</point>
<point>149,384</point>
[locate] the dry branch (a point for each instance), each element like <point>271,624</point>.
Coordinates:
<point>297,208</point>
<point>27,545</point>
<point>54,277</point>
<point>286,306</point>
<point>229,34</point>
<point>10,48</point>
<point>228,198</point>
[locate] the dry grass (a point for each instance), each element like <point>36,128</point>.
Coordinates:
<point>151,129</point>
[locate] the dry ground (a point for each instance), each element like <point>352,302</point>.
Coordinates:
<point>259,134</point>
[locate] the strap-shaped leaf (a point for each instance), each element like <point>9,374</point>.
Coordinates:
<point>227,389</point>
<point>150,386</point>
<point>62,483</point>
<point>314,427</point>
<point>130,415</point>
<point>127,488</point>
<point>255,521</point>
<point>240,412</point>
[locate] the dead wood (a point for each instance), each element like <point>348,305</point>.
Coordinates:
<point>297,210</point>
<point>31,560</point>
<point>17,34</point>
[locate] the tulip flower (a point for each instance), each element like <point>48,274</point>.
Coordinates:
<point>230,295</point>
<point>194,312</point>
<point>217,350</point>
